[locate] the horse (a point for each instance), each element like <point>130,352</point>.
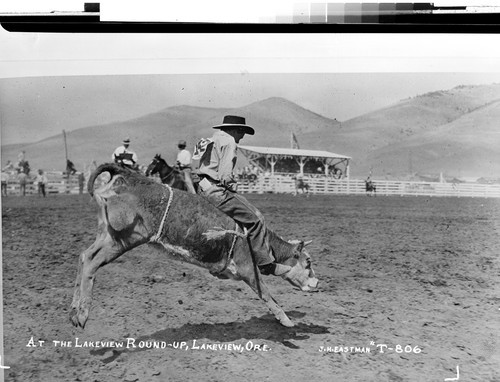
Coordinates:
<point>168,175</point>
<point>371,189</point>
<point>23,166</point>
<point>70,168</point>
<point>300,184</point>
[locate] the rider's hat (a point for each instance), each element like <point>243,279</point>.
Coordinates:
<point>235,121</point>
<point>126,141</point>
<point>181,144</point>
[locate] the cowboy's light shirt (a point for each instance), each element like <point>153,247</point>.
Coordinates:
<point>184,158</point>
<point>41,179</point>
<point>219,160</point>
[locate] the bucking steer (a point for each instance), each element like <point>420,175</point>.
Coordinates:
<point>136,210</point>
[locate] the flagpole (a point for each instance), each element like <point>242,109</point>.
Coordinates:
<point>65,146</point>
<point>294,143</point>
<point>66,153</point>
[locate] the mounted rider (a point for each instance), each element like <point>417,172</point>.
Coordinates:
<point>184,164</point>
<point>370,187</point>
<point>70,167</point>
<point>218,185</point>
<point>124,155</point>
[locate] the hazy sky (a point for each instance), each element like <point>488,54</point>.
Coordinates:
<point>336,75</point>
<point>34,108</point>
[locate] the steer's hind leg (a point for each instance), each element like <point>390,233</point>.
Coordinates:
<point>249,278</point>
<point>103,251</point>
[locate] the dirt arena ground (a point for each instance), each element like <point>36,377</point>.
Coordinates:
<point>409,292</point>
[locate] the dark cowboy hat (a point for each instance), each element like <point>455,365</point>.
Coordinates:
<point>235,121</point>
<point>181,144</point>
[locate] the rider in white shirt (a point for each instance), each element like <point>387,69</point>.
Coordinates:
<point>184,163</point>
<point>123,155</point>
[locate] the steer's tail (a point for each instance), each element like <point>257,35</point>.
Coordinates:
<point>112,168</point>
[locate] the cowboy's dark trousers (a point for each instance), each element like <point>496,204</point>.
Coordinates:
<point>238,208</point>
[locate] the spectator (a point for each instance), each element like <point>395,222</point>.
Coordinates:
<point>41,180</point>
<point>9,166</point>
<point>255,170</point>
<point>81,182</point>
<point>23,178</point>
<point>5,179</point>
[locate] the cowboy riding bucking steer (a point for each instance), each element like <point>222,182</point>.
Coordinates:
<point>218,184</point>
<point>217,229</point>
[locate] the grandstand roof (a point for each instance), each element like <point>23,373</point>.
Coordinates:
<point>292,152</point>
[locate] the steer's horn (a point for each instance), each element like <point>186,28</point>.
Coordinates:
<point>113,170</point>
<point>306,243</point>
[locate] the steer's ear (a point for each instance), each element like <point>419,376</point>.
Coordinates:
<point>300,247</point>
<point>303,244</point>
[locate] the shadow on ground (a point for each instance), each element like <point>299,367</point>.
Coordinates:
<point>262,328</point>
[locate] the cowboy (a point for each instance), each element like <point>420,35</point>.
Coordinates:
<point>81,182</point>
<point>125,156</point>
<point>70,167</point>
<point>184,164</point>
<point>20,158</point>
<point>41,180</point>
<point>218,185</point>
<point>9,166</point>
<point>5,180</point>
<point>23,179</point>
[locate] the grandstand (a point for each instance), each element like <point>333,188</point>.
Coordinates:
<point>285,161</point>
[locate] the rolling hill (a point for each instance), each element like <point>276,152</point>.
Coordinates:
<point>454,132</point>
<point>451,131</point>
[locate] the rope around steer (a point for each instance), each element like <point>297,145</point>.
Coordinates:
<point>210,235</point>
<point>156,238</point>
<point>217,232</point>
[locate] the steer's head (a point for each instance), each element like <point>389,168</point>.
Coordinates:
<point>301,274</point>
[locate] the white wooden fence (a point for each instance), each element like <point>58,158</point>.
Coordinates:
<point>283,184</point>
<point>57,184</point>
<point>327,185</point>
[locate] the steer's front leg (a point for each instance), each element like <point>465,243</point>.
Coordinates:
<point>247,274</point>
<point>272,304</point>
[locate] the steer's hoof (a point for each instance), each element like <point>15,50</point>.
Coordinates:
<point>73,318</point>
<point>285,321</point>
<point>78,319</point>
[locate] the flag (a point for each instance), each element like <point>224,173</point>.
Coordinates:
<point>201,147</point>
<point>294,143</point>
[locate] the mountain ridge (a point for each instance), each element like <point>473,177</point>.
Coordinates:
<point>443,122</point>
